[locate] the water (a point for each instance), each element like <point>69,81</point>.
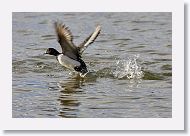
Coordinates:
<point>130,67</point>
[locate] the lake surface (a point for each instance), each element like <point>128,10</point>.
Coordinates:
<point>130,66</point>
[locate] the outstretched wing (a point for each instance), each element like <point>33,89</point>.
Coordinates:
<point>89,39</point>
<point>65,39</point>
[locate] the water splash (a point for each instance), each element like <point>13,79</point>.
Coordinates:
<point>128,68</point>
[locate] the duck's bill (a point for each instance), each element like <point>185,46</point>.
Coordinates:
<point>45,53</point>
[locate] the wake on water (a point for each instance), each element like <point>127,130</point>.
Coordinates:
<point>126,68</point>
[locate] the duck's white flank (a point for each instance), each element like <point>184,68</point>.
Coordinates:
<point>67,62</point>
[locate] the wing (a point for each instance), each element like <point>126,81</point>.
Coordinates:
<point>89,39</point>
<point>65,39</point>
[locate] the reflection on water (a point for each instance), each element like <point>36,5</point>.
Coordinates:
<point>130,67</point>
<point>71,85</point>
<point>69,103</point>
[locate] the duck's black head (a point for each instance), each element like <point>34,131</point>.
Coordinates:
<point>52,51</point>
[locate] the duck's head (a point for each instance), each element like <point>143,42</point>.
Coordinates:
<point>52,51</point>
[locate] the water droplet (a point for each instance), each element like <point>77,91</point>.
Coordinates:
<point>128,68</point>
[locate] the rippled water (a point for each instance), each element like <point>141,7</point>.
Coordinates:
<point>130,66</point>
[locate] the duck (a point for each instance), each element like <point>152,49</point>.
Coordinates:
<point>71,55</point>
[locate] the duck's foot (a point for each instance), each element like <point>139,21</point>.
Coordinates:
<point>83,74</point>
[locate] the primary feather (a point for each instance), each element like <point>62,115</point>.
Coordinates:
<point>89,39</point>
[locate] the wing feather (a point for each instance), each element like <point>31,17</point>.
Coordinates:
<point>65,39</point>
<point>89,39</point>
